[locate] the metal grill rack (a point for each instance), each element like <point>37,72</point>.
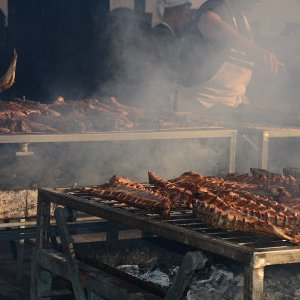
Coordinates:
<point>254,252</point>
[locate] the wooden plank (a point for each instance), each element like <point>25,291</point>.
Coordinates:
<point>41,280</point>
<point>94,280</point>
<point>43,224</point>
<point>61,216</point>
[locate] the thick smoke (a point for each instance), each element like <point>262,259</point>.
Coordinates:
<point>136,79</point>
<point>276,27</point>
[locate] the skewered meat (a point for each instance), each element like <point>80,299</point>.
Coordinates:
<point>261,211</point>
<point>94,115</point>
<point>179,196</point>
<point>260,176</point>
<point>152,206</point>
<point>120,180</point>
<point>192,180</point>
<point>214,200</point>
<point>258,205</point>
<point>134,195</point>
<point>28,105</point>
<point>276,178</point>
<point>214,211</point>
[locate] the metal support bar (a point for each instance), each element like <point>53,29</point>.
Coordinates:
<point>265,150</point>
<point>191,262</point>
<point>118,136</point>
<point>201,133</point>
<point>232,153</point>
<point>253,283</point>
<point>61,215</point>
<point>267,134</point>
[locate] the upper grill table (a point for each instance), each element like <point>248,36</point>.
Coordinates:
<point>265,134</point>
<point>255,252</point>
<point>170,134</point>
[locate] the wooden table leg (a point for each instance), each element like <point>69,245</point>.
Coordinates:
<point>61,215</point>
<point>41,280</point>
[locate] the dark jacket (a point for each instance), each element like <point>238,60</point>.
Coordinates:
<point>167,50</point>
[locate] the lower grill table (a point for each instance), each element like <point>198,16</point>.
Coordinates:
<point>254,252</point>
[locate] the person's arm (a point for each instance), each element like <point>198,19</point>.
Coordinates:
<point>213,28</point>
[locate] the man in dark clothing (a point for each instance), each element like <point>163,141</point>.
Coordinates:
<point>224,56</point>
<point>168,45</point>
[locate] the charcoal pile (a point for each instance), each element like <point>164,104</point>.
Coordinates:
<point>90,115</point>
<point>262,203</point>
<point>224,280</point>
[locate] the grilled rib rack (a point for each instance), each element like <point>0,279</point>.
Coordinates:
<point>254,252</point>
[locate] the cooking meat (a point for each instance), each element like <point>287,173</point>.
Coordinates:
<point>133,195</point>
<point>214,211</point>
<point>180,197</point>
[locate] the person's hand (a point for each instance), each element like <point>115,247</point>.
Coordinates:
<point>271,61</point>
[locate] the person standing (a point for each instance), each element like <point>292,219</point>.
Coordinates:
<point>223,56</point>
<point>167,46</point>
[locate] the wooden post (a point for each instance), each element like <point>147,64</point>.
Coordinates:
<point>42,223</point>
<point>41,280</point>
<point>20,255</point>
<point>61,215</point>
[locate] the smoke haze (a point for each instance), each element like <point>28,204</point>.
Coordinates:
<point>131,72</point>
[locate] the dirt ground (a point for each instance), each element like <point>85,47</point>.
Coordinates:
<point>10,288</point>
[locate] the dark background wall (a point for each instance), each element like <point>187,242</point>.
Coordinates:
<point>55,41</point>
<point>61,47</point>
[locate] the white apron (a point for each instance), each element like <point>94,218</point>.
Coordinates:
<point>228,86</point>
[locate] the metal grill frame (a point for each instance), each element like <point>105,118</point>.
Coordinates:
<point>264,134</point>
<point>253,259</point>
<point>140,135</point>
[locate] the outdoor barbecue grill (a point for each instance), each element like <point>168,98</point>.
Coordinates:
<point>19,203</point>
<point>253,251</point>
<point>25,140</point>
